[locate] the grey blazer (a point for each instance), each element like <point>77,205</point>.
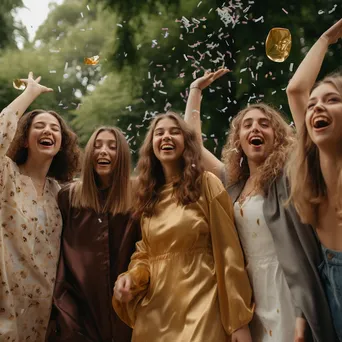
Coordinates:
<point>299,255</point>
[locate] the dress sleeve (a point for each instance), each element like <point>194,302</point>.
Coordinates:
<point>139,269</point>
<point>8,127</point>
<point>234,290</point>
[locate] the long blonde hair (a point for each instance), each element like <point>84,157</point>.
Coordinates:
<point>308,188</point>
<point>235,160</point>
<point>85,192</point>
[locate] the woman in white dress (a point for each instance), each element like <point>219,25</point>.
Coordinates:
<point>254,156</point>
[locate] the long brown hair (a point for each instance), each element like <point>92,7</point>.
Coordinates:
<point>151,176</point>
<point>235,160</point>
<point>85,192</point>
<point>308,188</point>
<point>64,164</point>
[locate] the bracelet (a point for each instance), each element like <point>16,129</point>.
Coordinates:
<point>195,111</point>
<point>196,88</point>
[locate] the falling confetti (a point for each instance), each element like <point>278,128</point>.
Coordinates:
<point>278,44</point>
<point>92,60</point>
<point>19,84</point>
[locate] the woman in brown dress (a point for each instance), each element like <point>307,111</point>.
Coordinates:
<point>187,279</point>
<point>97,242</point>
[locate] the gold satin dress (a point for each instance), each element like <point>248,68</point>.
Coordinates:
<point>190,282</point>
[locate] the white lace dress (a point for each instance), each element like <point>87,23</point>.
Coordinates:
<point>274,318</point>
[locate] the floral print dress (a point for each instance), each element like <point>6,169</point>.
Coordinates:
<point>30,229</point>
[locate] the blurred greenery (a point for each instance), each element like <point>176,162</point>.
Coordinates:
<point>150,51</point>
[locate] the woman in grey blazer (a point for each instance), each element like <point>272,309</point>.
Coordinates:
<point>254,157</point>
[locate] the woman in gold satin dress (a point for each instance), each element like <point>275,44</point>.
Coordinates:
<point>187,279</point>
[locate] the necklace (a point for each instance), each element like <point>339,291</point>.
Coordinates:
<point>243,196</point>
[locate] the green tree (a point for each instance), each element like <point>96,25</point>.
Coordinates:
<point>9,29</point>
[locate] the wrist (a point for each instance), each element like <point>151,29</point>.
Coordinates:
<point>32,91</point>
<point>195,88</point>
<point>324,40</point>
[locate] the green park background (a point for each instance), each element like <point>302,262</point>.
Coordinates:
<point>150,51</point>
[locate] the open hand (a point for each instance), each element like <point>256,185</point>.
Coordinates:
<point>33,84</point>
<point>122,289</point>
<point>208,78</point>
<point>334,33</point>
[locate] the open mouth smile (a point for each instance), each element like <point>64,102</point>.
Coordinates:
<point>103,161</point>
<point>46,142</point>
<point>167,147</point>
<point>256,141</point>
<point>320,122</point>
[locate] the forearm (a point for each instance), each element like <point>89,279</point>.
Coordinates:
<point>23,101</point>
<point>307,72</point>
<point>192,111</point>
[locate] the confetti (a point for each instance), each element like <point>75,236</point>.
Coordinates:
<point>333,9</point>
<point>284,10</point>
<point>19,84</point>
<point>278,44</point>
<point>92,60</point>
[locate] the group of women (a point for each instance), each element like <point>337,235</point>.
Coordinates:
<point>197,249</point>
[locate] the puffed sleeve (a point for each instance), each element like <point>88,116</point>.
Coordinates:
<point>139,269</point>
<point>234,289</point>
<point>8,126</point>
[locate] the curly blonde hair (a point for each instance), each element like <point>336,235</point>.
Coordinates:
<point>235,160</point>
<point>308,188</point>
<point>151,175</point>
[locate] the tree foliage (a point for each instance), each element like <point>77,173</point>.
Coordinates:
<point>150,51</point>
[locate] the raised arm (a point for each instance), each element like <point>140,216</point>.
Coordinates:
<point>10,115</point>
<point>193,117</point>
<point>298,90</point>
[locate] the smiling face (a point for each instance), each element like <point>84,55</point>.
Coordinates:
<point>324,116</point>
<point>44,137</point>
<point>256,136</point>
<point>168,141</point>
<point>104,155</point>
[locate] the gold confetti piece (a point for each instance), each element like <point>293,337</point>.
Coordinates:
<point>19,84</point>
<point>241,212</point>
<point>91,60</point>
<point>278,44</point>
<point>258,222</point>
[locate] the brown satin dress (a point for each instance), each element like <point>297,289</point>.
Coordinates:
<point>188,270</point>
<point>95,249</point>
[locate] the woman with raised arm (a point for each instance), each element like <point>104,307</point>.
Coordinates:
<point>280,267</point>
<point>97,242</point>
<point>315,168</point>
<point>37,149</point>
<point>186,280</point>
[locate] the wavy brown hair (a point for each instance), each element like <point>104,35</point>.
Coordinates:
<point>308,188</point>
<point>65,164</point>
<point>235,160</point>
<point>85,192</point>
<point>151,175</point>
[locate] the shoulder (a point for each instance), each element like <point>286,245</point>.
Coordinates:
<point>53,185</point>
<point>64,193</point>
<point>212,185</point>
